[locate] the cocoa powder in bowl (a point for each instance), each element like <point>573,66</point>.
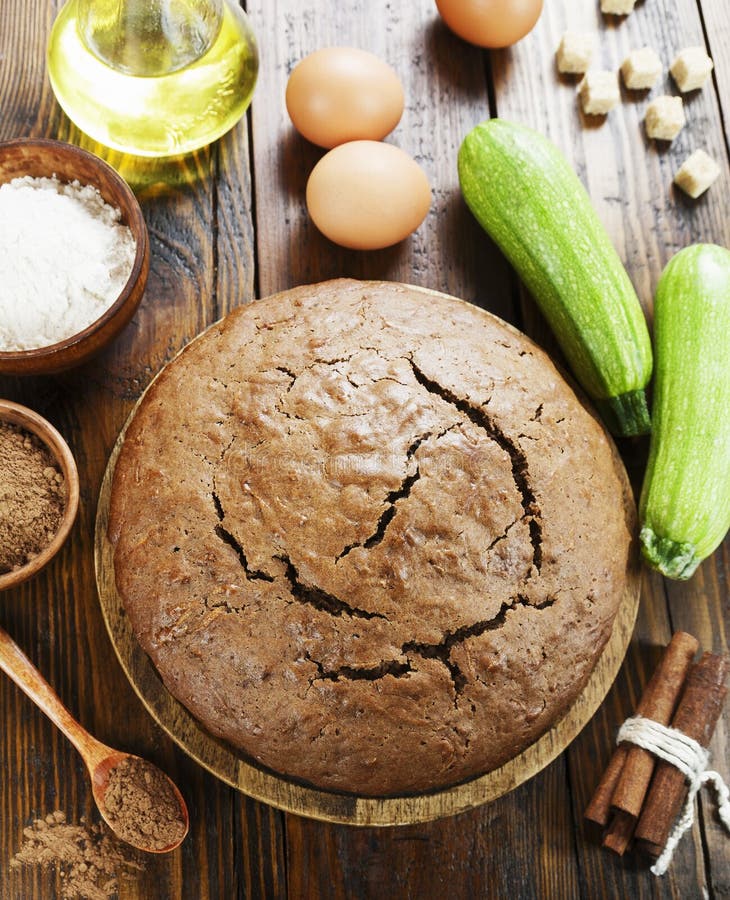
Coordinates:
<point>32,497</point>
<point>142,807</point>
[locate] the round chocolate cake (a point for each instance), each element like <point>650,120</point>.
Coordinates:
<point>369,536</point>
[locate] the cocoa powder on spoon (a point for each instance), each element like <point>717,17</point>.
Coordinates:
<point>141,805</point>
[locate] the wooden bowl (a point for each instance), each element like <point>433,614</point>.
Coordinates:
<point>15,414</point>
<point>39,158</point>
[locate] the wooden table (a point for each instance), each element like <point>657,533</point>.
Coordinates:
<point>231,225</point>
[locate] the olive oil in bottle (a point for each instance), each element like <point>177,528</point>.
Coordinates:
<point>153,77</point>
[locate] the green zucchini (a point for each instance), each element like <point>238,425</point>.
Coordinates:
<point>527,197</point>
<point>685,498</point>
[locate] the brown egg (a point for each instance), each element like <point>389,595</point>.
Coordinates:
<point>490,23</point>
<point>366,195</point>
<point>343,94</point>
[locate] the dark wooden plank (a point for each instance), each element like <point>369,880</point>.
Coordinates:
<point>629,180</point>
<point>716,23</point>
<point>702,607</point>
<point>89,408</point>
<point>462,857</point>
<point>201,233</point>
<point>445,94</point>
<point>259,856</point>
<point>24,30</point>
<point>589,756</point>
<point>628,177</point>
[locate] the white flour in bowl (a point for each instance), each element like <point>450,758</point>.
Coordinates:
<point>64,259</point>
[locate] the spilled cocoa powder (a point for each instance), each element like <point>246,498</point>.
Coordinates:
<point>32,497</point>
<point>88,859</point>
<point>141,805</point>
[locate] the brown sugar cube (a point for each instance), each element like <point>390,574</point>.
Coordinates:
<point>691,68</point>
<point>575,52</point>
<point>665,118</point>
<point>641,69</point>
<point>697,173</point>
<point>599,92</point>
<point>617,7</point>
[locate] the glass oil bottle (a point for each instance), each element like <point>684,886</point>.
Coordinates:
<point>153,77</point>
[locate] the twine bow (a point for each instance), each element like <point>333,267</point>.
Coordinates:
<point>685,754</point>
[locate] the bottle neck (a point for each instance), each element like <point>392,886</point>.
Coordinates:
<point>149,37</point>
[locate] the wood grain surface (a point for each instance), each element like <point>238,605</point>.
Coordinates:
<point>229,223</point>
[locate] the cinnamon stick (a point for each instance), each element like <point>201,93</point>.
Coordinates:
<point>662,689</point>
<point>621,830</point>
<point>658,703</point>
<point>599,809</point>
<point>696,716</point>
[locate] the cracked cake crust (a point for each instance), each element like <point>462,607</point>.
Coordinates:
<point>369,536</point>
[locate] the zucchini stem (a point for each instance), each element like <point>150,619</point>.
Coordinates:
<point>675,559</point>
<point>626,415</point>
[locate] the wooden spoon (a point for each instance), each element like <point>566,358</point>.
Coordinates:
<point>99,758</point>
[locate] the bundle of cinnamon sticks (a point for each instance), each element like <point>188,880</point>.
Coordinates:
<point>639,797</point>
